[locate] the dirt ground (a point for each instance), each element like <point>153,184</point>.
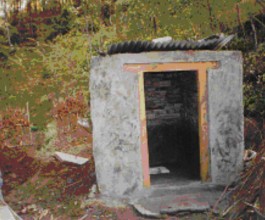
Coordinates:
<point>39,186</point>
<point>45,188</point>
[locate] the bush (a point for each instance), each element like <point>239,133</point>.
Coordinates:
<point>254,83</point>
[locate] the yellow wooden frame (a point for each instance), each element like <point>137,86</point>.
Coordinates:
<point>201,69</point>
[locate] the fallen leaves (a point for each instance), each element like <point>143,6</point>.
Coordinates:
<point>248,196</point>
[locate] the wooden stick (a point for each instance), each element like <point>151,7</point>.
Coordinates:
<point>255,209</point>
<point>230,208</point>
<point>221,197</point>
<point>259,21</point>
<point>239,18</point>
<point>28,114</point>
<point>255,33</point>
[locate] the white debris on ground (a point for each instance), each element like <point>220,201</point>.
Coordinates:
<point>83,122</point>
<point>158,170</point>
<point>64,157</point>
<point>162,40</point>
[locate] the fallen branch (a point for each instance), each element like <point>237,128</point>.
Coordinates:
<point>255,209</point>
<point>221,197</point>
<point>230,208</point>
<point>84,217</point>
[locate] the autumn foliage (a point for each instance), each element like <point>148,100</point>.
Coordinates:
<point>13,126</point>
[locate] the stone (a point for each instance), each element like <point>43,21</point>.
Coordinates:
<point>64,157</point>
<point>6,213</point>
<point>83,122</point>
<point>145,212</point>
<point>185,203</point>
<point>92,192</point>
<point>180,199</point>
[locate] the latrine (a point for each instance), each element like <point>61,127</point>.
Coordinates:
<point>180,110</point>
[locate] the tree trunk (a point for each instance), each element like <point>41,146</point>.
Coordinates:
<point>155,25</point>
<point>239,19</point>
<point>210,15</point>
<point>255,34</point>
<point>7,25</point>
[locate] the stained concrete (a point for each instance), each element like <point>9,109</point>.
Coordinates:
<point>116,122</point>
<point>192,197</point>
<point>116,128</point>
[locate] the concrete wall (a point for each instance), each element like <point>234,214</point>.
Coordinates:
<point>226,118</point>
<point>116,128</point>
<point>116,123</point>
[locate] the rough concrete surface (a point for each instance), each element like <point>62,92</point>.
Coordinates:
<point>5,213</point>
<point>116,122</point>
<point>116,128</point>
<point>194,197</point>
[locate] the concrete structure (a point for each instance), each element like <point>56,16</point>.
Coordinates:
<point>5,211</point>
<point>182,110</point>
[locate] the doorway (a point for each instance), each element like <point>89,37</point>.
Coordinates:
<point>171,105</point>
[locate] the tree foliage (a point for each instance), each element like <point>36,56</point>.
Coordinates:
<point>61,36</point>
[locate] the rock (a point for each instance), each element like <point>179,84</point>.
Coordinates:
<point>185,203</point>
<point>92,192</point>
<point>144,212</point>
<point>64,157</point>
<point>187,208</point>
<point>83,122</point>
<point>6,213</point>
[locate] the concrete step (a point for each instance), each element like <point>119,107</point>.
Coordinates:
<point>6,213</point>
<point>163,199</point>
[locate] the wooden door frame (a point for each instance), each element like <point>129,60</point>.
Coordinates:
<point>201,69</point>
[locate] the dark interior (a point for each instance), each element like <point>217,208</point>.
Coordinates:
<point>172,125</point>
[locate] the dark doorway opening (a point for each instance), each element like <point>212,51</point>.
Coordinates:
<point>171,101</point>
